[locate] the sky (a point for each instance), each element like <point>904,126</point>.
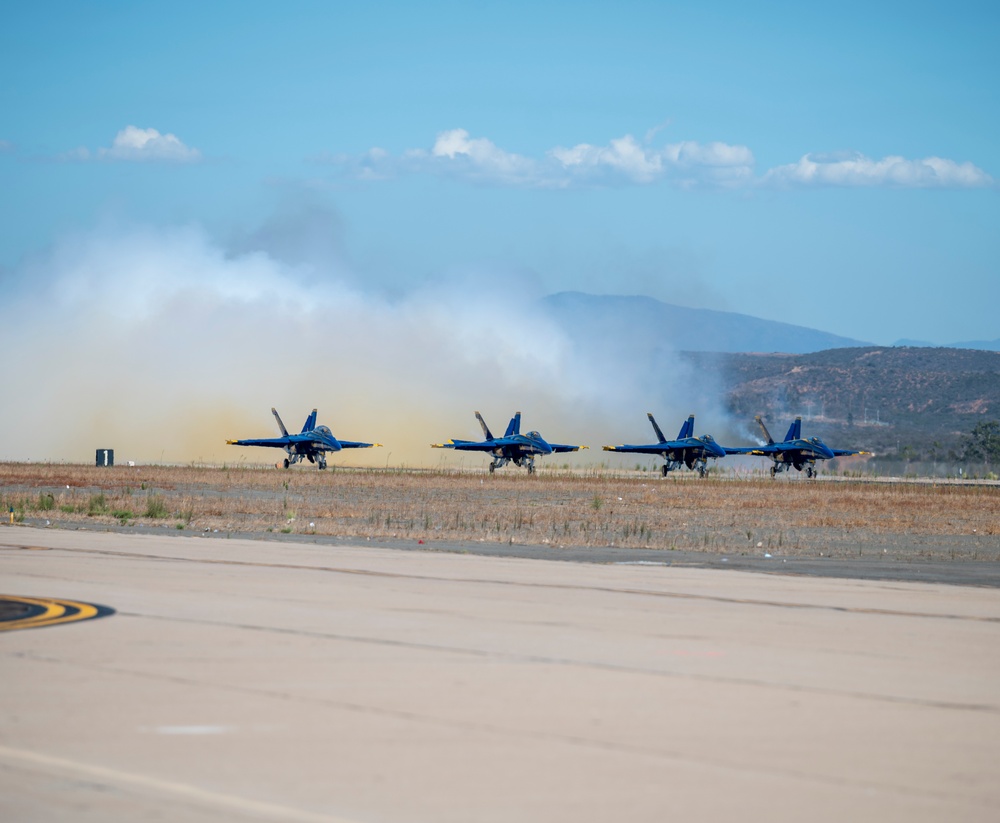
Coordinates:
<point>218,207</point>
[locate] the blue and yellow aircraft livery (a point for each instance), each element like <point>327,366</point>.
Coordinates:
<point>686,450</point>
<point>794,450</point>
<point>312,443</point>
<point>513,447</point>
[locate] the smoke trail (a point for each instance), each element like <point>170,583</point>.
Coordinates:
<point>161,343</point>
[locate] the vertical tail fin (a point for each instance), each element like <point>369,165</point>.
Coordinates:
<point>486,429</point>
<point>795,430</point>
<point>514,426</point>
<point>659,434</point>
<point>310,423</point>
<point>767,434</point>
<point>284,431</point>
<point>687,430</point>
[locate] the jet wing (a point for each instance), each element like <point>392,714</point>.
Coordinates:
<point>759,450</point>
<point>652,448</point>
<point>558,448</point>
<point>846,452</point>
<point>353,444</point>
<point>277,442</point>
<point>469,445</point>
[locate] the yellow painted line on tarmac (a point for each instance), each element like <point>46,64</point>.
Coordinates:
<point>52,612</point>
<point>181,791</point>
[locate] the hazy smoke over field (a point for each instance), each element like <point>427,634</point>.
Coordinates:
<point>162,343</point>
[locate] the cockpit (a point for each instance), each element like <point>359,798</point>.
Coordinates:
<point>324,430</point>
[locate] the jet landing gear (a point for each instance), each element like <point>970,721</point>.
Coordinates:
<point>810,469</point>
<point>669,466</point>
<point>292,459</point>
<point>524,462</point>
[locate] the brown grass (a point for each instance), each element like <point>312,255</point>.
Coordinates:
<point>790,516</point>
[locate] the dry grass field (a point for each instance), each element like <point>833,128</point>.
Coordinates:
<point>790,516</point>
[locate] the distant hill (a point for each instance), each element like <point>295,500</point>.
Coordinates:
<point>984,345</point>
<point>867,397</point>
<point>643,324</point>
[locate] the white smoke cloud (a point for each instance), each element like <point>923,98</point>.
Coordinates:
<point>133,144</point>
<point>161,343</point>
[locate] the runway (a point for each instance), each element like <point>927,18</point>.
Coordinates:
<point>255,680</point>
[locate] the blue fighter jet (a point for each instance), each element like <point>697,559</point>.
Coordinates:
<point>514,447</point>
<point>794,450</point>
<point>312,443</point>
<point>686,450</point>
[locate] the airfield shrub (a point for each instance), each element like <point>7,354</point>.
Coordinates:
<point>156,508</point>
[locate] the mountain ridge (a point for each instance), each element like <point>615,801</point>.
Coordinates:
<point>646,323</point>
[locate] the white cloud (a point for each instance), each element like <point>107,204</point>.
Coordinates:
<point>627,161</point>
<point>133,144</point>
<point>455,151</point>
<point>687,162</point>
<point>624,160</point>
<point>858,170</point>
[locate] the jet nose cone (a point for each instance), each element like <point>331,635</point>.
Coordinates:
<point>824,449</point>
<point>715,449</point>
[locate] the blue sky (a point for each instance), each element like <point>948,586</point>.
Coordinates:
<point>729,157</point>
<point>832,166</point>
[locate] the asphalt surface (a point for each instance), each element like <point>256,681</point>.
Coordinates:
<point>866,566</point>
<point>266,680</point>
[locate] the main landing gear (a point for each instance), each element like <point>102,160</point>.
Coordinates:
<point>525,462</point>
<point>292,459</point>
<point>810,469</point>
<point>700,466</point>
<point>670,465</point>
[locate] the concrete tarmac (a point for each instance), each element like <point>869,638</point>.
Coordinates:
<point>251,680</point>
